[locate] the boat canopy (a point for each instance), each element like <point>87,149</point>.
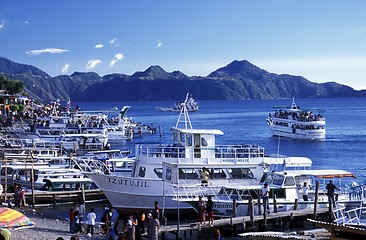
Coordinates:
<point>200,131</point>
<point>324,173</point>
<point>289,161</point>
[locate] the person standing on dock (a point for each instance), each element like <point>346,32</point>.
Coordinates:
<point>81,216</point>
<point>91,221</point>
<point>209,210</point>
<point>153,226</point>
<point>305,190</point>
<point>157,210</point>
<point>265,197</point>
<point>330,192</point>
<point>201,210</point>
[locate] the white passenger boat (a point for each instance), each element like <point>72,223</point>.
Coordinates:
<point>191,150</point>
<point>190,104</point>
<point>79,131</point>
<point>293,122</point>
<point>287,187</point>
<point>21,173</point>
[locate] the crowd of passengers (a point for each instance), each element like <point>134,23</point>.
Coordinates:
<point>301,116</point>
<point>301,127</point>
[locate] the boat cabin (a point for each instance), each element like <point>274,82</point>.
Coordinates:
<point>197,143</point>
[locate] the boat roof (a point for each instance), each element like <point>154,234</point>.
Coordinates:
<point>200,131</point>
<point>68,180</point>
<point>322,173</point>
<point>109,151</point>
<point>289,161</point>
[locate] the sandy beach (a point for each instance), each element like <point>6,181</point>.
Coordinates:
<point>48,227</point>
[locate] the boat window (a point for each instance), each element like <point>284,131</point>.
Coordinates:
<point>189,139</point>
<point>289,181</point>
<point>218,173</point>
<point>239,173</point>
<point>278,180</point>
<point>188,173</point>
<point>142,172</point>
<point>158,172</point>
<point>269,178</point>
<point>279,192</point>
<point>197,142</point>
<point>175,136</point>
<point>263,178</point>
<point>204,142</point>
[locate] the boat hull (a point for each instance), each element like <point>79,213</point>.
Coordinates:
<point>128,194</point>
<point>288,132</point>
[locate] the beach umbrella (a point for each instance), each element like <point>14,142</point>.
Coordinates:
<point>10,218</point>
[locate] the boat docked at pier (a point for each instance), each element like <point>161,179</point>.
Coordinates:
<point>191,151</point>
<point>293,122</point>
<point>35,175</point>
<point>286,189</point>
<point>190,104</point>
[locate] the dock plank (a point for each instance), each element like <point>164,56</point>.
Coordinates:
<point>241,220</point>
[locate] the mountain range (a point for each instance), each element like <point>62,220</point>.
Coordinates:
<point>239,80</point>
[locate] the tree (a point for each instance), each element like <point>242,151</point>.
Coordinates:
<point>11,86</point>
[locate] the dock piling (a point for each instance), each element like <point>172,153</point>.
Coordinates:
<point>296,204</point>
<point>275,209</point>
<point>317,184</point>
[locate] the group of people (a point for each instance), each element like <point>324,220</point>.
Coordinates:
<point>134,224</point>
<point>205,207</point>
<point>76,217</point>
<point>330,187</point>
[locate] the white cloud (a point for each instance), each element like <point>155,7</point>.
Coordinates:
<point>113,42</point>
<point>2,24</point>
<point>92,64</point>
<point>99,46</point>
<point>47,50</point>
<point>65,68</point>
<point>159,44</point>
<point>117,57</point>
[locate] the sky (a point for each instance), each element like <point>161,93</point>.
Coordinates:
<point>323,41</point>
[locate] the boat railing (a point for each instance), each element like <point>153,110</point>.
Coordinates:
<point>239,151</point>
<point>349,217</point>
<point>90,165</point>
<point>220,152</point>
<point>191,191</point>
<point>160,151</point>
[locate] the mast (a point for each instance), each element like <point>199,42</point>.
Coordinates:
<point>184,116</point>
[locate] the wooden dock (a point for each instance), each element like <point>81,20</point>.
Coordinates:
<point>55,197</point>
<point>243,223</point>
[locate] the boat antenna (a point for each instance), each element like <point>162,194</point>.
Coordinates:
<point>293,105</point>
<point>278,147</point>
<point>184,113</point>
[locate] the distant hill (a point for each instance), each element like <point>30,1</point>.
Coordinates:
<point>238,80</point>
